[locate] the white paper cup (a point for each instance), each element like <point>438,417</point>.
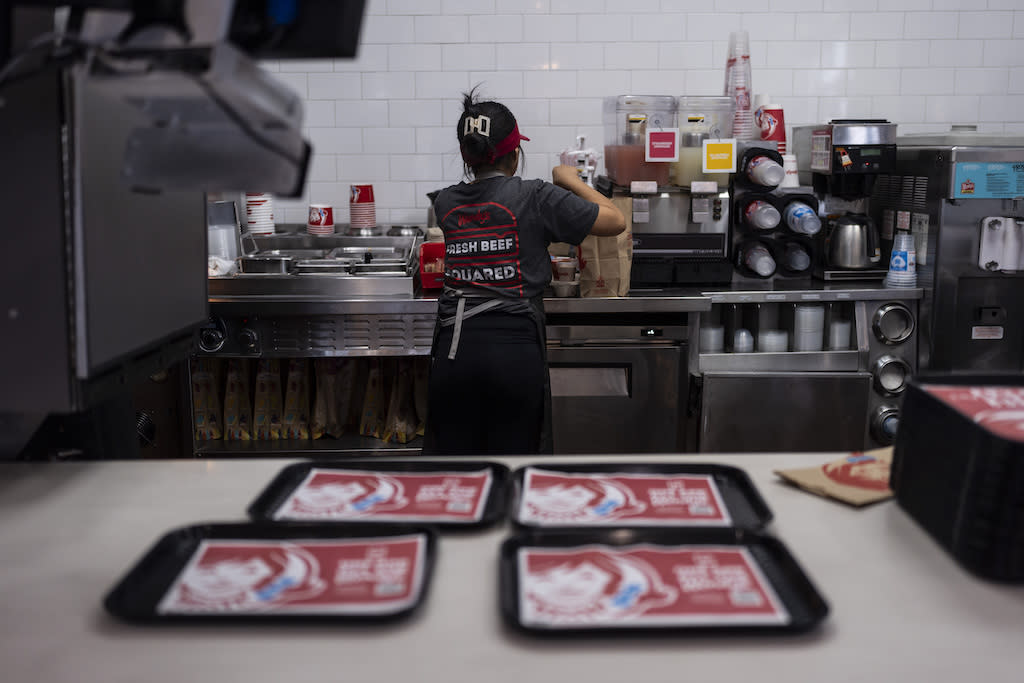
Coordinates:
<point>742,341</point>
<point>839,335</point>
<point>712,339</point>
<point>773,341</point>
<point>792,177</point>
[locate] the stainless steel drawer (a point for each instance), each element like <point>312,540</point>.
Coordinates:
<point>784,411</point>
<point>617,399</point>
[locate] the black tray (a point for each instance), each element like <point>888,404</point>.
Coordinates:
<point>275,494</point>
<point>805,605</point>
<point>137,594</point>
<point>746,507</point>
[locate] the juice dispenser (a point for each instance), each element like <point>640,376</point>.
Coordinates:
<point>627,118</point>
<point>680,233</point>
<point>700,118</point>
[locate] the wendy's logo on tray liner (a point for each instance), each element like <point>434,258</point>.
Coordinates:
<point>582,500</point>
<point>859,470</point>
<point>333,494</point>
<point>246,578</point>
<point>999,409</point>
<point>589,586</point>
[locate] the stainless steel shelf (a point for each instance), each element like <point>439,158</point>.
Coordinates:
<point>813,294</point>
<point>347,446</point>
<point>789,361</point>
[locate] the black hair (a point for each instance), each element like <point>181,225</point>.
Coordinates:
<point>478,149</point>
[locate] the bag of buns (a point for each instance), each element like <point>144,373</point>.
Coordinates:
<point>237,404</point>
<point>206,405</point>
<point>402,423</point>
<point>375,401</point>
<point>295,419</point>
<point>267,402</point>
<point>421,391</point>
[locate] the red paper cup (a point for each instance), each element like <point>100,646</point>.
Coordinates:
<point>361,194</point>
<point>770,120</point>
<point>321,216</point>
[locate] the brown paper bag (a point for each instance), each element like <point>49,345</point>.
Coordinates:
<point>607,262</point>
<point>858,478</point>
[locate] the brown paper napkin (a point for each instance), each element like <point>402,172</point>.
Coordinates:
<point>859,478</point>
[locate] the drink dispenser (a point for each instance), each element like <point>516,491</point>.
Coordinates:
<point>627,118</point>
<point>701,118</point>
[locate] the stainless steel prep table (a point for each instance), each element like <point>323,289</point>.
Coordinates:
<point>901,609</point>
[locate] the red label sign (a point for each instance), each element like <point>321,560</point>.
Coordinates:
<point>662,145</point>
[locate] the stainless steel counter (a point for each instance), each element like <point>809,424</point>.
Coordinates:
<point>677,300</point>
<point>674,302</point>
<point>902,610</point>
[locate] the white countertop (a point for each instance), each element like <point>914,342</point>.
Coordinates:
<point>901,609</point>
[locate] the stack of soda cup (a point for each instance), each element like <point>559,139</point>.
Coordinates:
<point>902,262</point>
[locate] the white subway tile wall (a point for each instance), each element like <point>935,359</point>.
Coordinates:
<point>388,116</point>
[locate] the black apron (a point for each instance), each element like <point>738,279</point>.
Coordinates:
<point>454,306</point>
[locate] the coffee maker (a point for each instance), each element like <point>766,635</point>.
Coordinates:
<point>841,161</point>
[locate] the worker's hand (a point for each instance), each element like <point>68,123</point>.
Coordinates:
<point>566,176</point>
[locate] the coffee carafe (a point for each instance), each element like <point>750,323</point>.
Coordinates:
<point>853,243</point>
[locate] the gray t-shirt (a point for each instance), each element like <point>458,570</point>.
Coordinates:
<point>497,232</point>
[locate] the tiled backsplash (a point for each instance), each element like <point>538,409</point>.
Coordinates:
<point>388,117</point>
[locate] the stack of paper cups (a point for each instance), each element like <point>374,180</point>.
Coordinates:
<point>772,341</point>
<point>712,339</point>
<point>321,220</point>
<point>792,177</point>
<point>259,213</point>
<point>362,208</point>
<point>902,262</point>
<point>808,327</point>
<point>770,122</point>
<point>738,86</point>
<point>839,335</point>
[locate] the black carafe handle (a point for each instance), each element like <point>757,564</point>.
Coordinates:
<point>874,249</point>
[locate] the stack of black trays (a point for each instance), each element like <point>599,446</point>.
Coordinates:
<point>958,469</point>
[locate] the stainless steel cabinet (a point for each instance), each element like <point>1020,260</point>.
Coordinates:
<point>618,398</point>
<point>783,411</point>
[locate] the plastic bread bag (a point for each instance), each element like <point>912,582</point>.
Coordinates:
<point>237,404</point>
<point>267,402</point>
<point>333,397</point>
<point>325,405</point>
<point>421,391</point>
<point>295,419</point>
<point>206,406</point>
<point>358,372</point>
<point>345,396</point>
<point>402,423</point>
<point>375,401</point>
